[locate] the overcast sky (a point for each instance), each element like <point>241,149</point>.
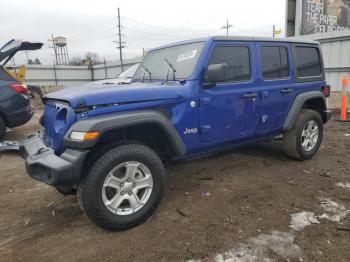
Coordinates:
<point>92,25</point>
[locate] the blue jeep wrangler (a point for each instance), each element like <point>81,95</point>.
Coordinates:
<point>108,142</point>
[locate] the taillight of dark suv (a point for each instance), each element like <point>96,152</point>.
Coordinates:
<point>19,88</point>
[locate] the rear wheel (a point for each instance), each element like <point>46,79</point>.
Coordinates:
<point>2,128</point>
<point>304,139</point>
<point>123,188</point>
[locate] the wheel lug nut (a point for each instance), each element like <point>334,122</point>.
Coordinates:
<point>134,185</point>
<point>129,180</point>
<point>130,193</point>
<point>122,193</point>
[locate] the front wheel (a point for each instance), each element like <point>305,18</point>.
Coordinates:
<point>304,139</point>
<point>123,188</point>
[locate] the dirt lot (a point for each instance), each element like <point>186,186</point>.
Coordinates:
<point>238,206</point>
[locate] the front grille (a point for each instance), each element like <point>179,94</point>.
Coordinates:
<point>56,126</point>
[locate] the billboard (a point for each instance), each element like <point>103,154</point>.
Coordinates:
<point>324,16</point>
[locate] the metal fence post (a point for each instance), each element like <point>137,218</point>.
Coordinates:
<point>55,73</point>
<point>105,67</point>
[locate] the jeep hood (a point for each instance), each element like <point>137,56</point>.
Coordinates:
<point>101,94</point>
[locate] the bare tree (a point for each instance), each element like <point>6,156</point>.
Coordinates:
<point>88,59</point>
<point>76,60</point>
<point>94,57</point>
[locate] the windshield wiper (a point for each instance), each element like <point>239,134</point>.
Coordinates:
<point>170,66</point>
<point>149,73</point>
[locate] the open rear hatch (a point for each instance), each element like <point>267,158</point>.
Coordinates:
<point>13,46</point>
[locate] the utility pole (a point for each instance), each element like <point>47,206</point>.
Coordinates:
<point>120,43</point>
<point>227,26</point>
<point>273,31</point>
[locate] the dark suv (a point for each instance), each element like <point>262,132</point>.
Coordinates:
<point>15,108</point>
<point>109,143</point>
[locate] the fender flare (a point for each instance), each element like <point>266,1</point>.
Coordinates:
<point>109,122</point>
<point>297,105</point>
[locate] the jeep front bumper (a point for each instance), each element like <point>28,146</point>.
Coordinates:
<point>44,165</point>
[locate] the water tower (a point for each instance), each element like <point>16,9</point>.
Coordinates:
<point>61,51</point>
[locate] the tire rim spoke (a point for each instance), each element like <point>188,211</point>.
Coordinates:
<point>305,143</point>
<point>112,182</point>
<point>135,202</point>
<point>131,168</point>
<point>146,182</point>
<point>116,201</point>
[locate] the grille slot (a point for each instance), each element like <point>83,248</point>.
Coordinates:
<point>53,136</point>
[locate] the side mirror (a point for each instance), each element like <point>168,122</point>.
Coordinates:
<point>215,73</point>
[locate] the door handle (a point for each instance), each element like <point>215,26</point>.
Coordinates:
<point>250,95</point>
<point>286,90</point>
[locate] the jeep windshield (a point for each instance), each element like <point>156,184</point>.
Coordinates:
<point>183,58</point>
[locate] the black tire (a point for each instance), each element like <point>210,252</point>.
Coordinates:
<point>91,188</point>
<point>2,128</point>
<point>292,139</point>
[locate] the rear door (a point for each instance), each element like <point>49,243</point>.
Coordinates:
<point>231,109</point>
<point>277,84</point>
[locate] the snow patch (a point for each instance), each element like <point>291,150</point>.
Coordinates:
<point>277,245</point>
<point>333,211</point>
<point>302,219</point>
<point>343,185</point>
<point>280,244</point>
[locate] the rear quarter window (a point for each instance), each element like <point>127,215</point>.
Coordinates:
<point>308,61</point>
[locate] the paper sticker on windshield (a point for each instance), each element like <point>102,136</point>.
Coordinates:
<point>187,55</point>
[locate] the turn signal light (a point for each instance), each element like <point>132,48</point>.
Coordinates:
<point>90,136</point>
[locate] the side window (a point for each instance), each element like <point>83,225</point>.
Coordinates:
<point>308,62</point>
<point>236,60</point>
<point>274,62</point>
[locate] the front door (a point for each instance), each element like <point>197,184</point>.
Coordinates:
<point>231,109</point>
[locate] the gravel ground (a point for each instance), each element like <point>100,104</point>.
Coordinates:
<point>249,204</point>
